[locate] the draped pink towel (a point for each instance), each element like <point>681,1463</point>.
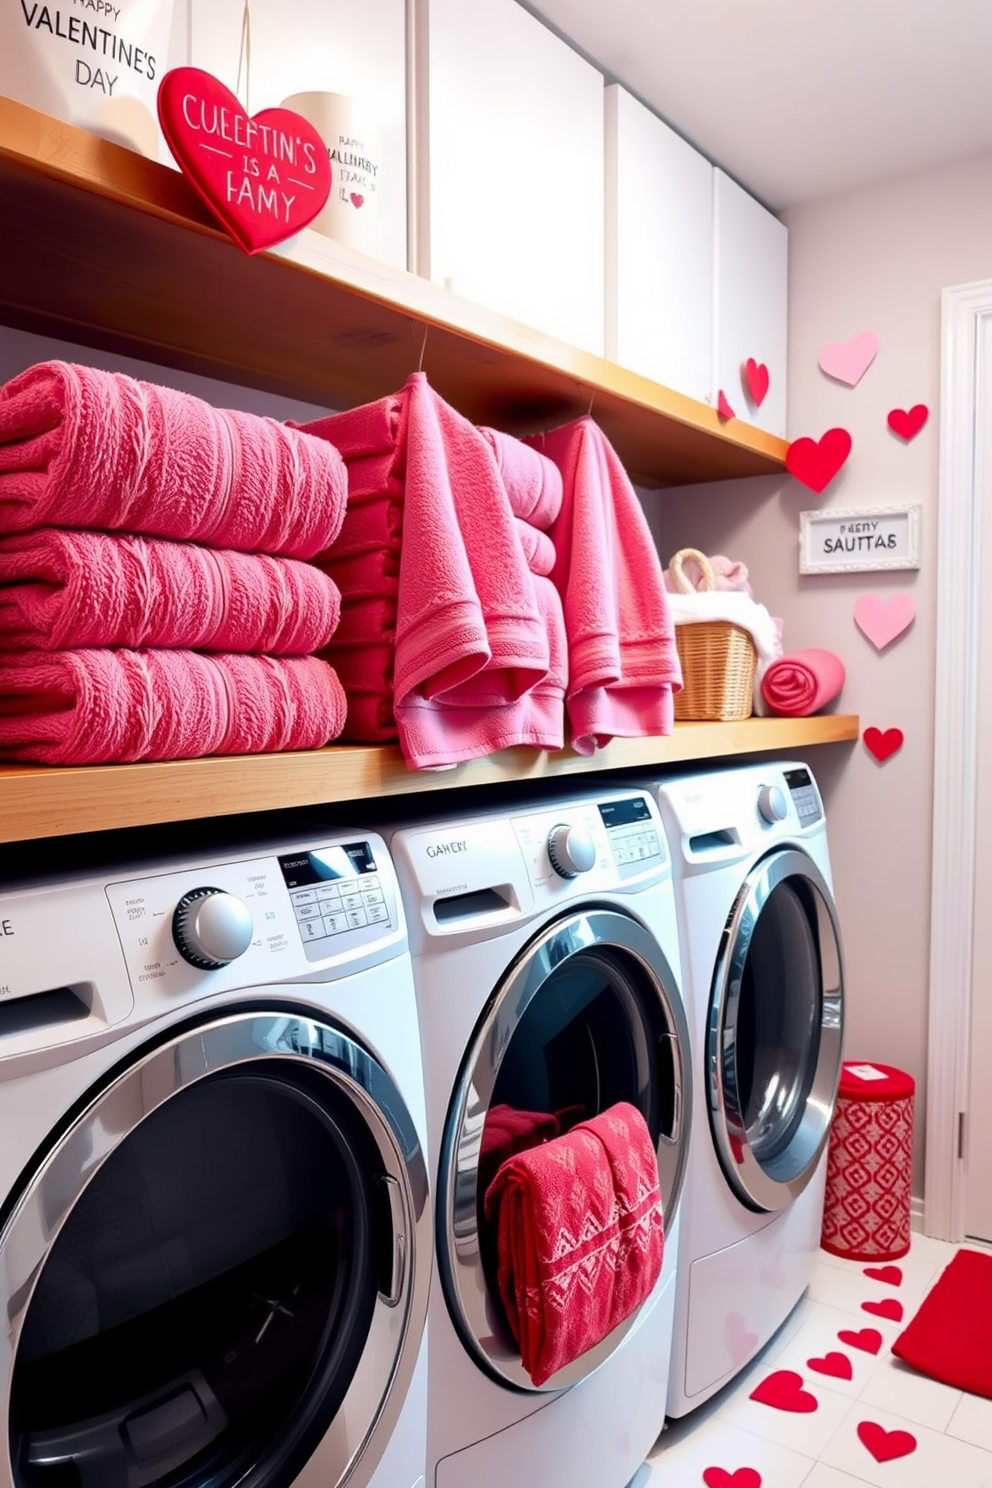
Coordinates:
<point>84,448</point>
<point>108,707</point>
<point>803,683</point>
<point>60,589</point>
<point>622,660</point>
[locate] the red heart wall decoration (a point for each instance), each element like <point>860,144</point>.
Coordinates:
<point>815,462</point>
<point>836,1364</point>
<point>723,408</point>
<point>889,1308</point>
<point>882,746</point>
<point>756,380</point>
<point>263,177</point>
<point>719,1477</point>
<point>885,1446</point>
<point>891,1275</point>
<point>868,1340</point>
<point>784,1390</point>
<point>907,422</point>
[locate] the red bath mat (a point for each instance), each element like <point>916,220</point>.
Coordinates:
<point>949,1338</point>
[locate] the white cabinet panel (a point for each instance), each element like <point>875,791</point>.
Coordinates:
<point>334,46</point>
<point>516,168</point>
<point>750,300</point>
<point>659,249</point>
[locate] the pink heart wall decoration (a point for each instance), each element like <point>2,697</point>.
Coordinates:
<point>907,422</point>
<point>882,620</point>
<point>815,462</point>
<point>848,361</point>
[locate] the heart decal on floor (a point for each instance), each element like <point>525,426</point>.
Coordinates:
<point>719,1477</point>
<point>885,1446</point>
<point>756,381</point>
<point>891,1275</point>
<point>883,746</point>
<point>784,1391</point>
<point>881,620</point>
<point>848,361</point>
<point>907,422</point>
<point>723,408</point>
<point>815,462</point>
<point>836,1364</point>
<point>889,1308</point>
<point>868,1340</point>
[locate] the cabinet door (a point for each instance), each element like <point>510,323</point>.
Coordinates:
<point>516,168</point>
<point>659,249</point>
<point>750,300</point>
<point>330,46</point>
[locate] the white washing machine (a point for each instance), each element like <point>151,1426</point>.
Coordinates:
<point>761,957</point>
<point>545,953</point>
<point>215,1233</point>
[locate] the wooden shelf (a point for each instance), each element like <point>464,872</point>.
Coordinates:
<point>40,801</point>
<point>99,245</point>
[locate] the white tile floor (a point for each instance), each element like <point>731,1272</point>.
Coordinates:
<point>822,1449</point>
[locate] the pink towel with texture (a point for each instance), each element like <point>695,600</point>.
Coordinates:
<point>727,575</point>
<point>62,589</point>
<point>109,707</point>
<point>538,549</point>
<point>533,482</point>
<point>622,660</point>
<point>84,448</point>
<point>803,683</point>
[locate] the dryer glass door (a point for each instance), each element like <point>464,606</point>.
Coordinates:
<point>773,1046</point>
<point>589,1015</point>
<point>213,1266</point>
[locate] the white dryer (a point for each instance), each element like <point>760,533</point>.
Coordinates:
<point>761,956</point>
<point>545,952</point>
<point>215,1232</point>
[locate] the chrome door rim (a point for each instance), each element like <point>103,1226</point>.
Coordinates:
<point>763,1187</point>
<point>360,1430</point>
<point>459,1258</point>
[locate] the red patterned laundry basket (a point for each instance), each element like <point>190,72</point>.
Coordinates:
<point>870,1165</point>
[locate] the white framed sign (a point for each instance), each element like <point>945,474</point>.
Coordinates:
<point>859,541</point>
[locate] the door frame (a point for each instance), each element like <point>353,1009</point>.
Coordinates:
<point>966,326</point>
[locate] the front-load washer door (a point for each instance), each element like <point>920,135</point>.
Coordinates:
<point>588,1015</point>
<point>218,1272</point>
<point>773,1040</point>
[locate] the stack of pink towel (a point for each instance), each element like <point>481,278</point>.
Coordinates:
<point>151,601</point>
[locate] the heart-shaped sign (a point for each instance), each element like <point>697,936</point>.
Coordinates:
<point>868,1340</point>
<point>784,1390</point>
<point>848,361</point>
<point>907,422</point>
<point>885,1446</point>
<point>836,1364</point>
<point>263,177</point>
<point>723,408</point>
<point>888,1307</point>
<point>719,1477</point>
<point>881,620</point>
<point>891,1275</point>
<point>815,462</point>
<point>756,380</point>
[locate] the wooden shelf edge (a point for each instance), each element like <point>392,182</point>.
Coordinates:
<point>38,801</point>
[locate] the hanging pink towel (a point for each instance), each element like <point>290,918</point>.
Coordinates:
<point>84,448</point>
<point>622,661</point>
<point>803,683</point>
<point>533,482</point>
<point>63,589</point>
<point>109,707</point>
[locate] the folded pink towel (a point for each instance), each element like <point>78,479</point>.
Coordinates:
<point>108,707</point>
<point>63,589</point>
<point>622,659</point>
<point>84,448</point>
<point>532,482</point>
<point>538,549</point>
<point>803,683</point>
<point>367,525</point>
<point>373,574</point>
<point>727,575</point>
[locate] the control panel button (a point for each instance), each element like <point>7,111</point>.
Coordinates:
<point>772,804</point>
<point>571,850</point>
<point>211,928</point>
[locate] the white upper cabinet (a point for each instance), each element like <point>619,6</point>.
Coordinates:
<point>659,250</point>
<point>515,193</point>
<point>750,301</point>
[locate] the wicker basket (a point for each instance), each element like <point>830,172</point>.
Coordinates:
<point>718,658</point>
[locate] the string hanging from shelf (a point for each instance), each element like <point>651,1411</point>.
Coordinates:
<point>244,55</point>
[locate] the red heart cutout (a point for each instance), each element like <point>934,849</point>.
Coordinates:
<point>784,1390</point>
<point>868,1340</point>
<point>890,1309</point>
<point>891,1275</point>
<point>837,1365</point>
<point>756,380</point>
<point>723,408</point>
<point>357,199</point>
<point>882,746</point>
<point>907,422</point>
<point>719,1477</point>
<point>265,177</point>
<point>816,462</point>
<point>884,1445</point>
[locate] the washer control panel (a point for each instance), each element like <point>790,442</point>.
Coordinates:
<point>633,834</point>
<point>805,796</point>
<point>332,891</point>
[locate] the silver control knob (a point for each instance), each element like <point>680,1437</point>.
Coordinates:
<point>211,929</point>
<point>571,850</point>
<point>772,804</point>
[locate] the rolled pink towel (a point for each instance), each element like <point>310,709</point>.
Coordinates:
<point>110,707</point>
<point>532,482</point>
<point>803,683</point>
<point>84,448</point>
<point>62,589</point>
